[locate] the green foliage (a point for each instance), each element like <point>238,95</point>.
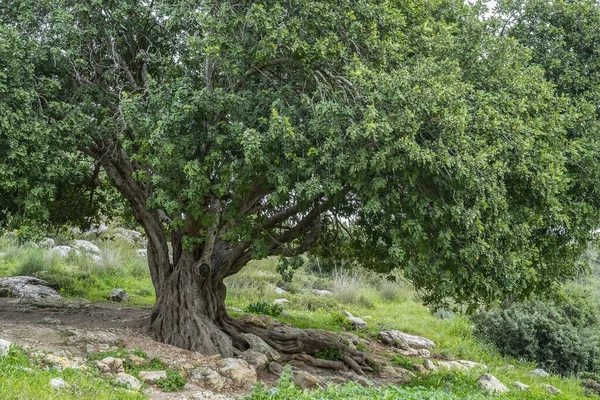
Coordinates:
<point>398,360</point>
<point>330,353</point>
<point>560,336</point>
<point>173,383</point>
<point>264,308</point>
<point>405,133</point>
<point>21,378</point>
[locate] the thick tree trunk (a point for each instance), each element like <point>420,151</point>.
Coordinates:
<point>190,310</point>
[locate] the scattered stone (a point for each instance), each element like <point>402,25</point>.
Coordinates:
<point>540,372</point>
<point>551,389</point>
<point>324,293</point>
<point>51,321</point>
<point>136,361</point>
<point>58,383</point>
<point>63,251</point>
<point>130,381</point>
<point>101,228</point>
<point>305,380</point>
<point>208,395</point>
<point>4,347</point>
<point>275,368</point>
<point>460,365</point>
<point>399,375</point>
<point>235,309</point>
<point>357,323</point>
<point>491,384</point>
<point>259,345</point>
<point>261,321</point>
<point>142,252</point>
<point>64,362</point>
<point>281,302</point>
<point>279,290</point>
<point>151,377</point>
<point>404,340</point>
<point>430,366</point>
<point>87,246</point>
<point>521,386</point>
<point>115,365</point>
<point>207,378</point>
<point>131,235</point>
<point>118,295</point>
<point>254,358</point>
<point>27,287</point>
<point>239,371</point>
<point>47,242</point>
<point>420,368</point>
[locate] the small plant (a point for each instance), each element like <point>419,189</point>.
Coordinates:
<point>362,347</point>
<point>264,308</point>
<point>330,353</point>
<point>341,320</point>
<point>399,360</point>
<point>173,383</point>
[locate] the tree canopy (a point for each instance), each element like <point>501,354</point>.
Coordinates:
<point>238,130</point>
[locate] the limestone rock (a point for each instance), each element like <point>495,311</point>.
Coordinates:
<point>280,302</point>
<point>86,246</point>
<point>305,380</point>
<point>460,365</point>
<point>47,242</point>
<point>238,371</point>
<point>261,321</point>
<point>254,358</point>
<point>142,252</point>
<point>207,378</point>
<point>151,377</point>
<point>404,340</point>
<point>551,389</point>
<point>63,251</point>
<point>259,345</point>
<point>235,309</point>
<point>491,384</point>
<point>275,368</point>
<point>118,295</point>
<point>27,287</point>
<point>58,383</point>
<point>114,364</point>
<point>324,293</point>
<point>521,386</point>
<point>131,235</point>
<point>130,381</point>
<point>136,361</point>
<point>430,366</point>
<point>540,372</point>
<point>279,290</point>
<point>4,347</point>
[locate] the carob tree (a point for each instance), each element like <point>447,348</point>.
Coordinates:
<point>239,130</point>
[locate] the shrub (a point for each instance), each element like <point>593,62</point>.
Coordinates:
<point>330,353</point>
<point>173,383</point>
<point>549,333</point>
<point>264,308</point>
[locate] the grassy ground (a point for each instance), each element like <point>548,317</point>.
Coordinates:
<point>22,379</point>
<point>390,305</point>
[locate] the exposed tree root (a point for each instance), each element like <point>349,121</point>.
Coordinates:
<point>299,344</point>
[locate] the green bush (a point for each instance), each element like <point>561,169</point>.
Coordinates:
<point>264,308</point>
<point>174,382</point>
<point>561,336</point>
<point>330,353</point>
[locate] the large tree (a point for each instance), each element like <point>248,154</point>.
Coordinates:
<point>238,130</point>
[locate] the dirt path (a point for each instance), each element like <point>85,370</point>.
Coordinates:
<point>73,329</point>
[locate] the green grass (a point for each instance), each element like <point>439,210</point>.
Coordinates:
<point>391,304</point>
<point>22,379</point>
<point>79,276</point>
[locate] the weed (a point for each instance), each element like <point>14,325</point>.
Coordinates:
<point>330,353</point>
<point>264,308</point>
<point>173,383</point>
